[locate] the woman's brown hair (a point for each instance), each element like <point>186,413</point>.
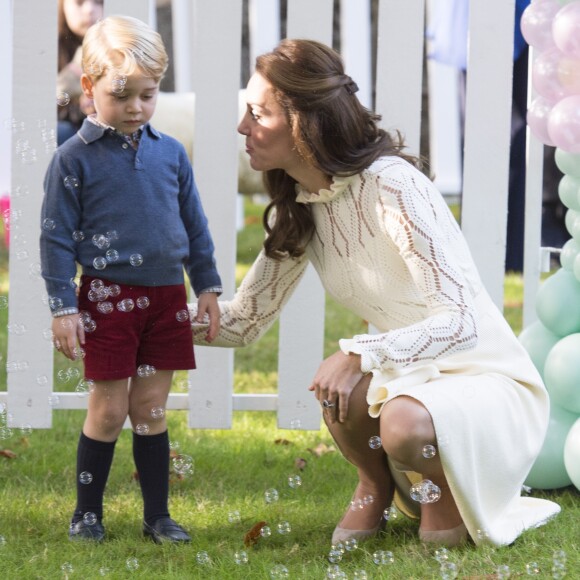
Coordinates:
<point>331,129</point>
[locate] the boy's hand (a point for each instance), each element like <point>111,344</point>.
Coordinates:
<point>65,331</point>
<point>207,308</point>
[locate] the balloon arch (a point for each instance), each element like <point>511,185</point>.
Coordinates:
<point>552,29</point>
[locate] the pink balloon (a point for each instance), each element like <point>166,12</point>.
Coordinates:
<point>566,29</point>
<point>564,124</point>
<point>545,74</point>
<point>536,23</point>
<point>537,118</point>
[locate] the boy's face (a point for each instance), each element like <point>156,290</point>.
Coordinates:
<point>124,103</point>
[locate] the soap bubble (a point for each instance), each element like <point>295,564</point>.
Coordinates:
<point>265,532</point>
<point>136,260</point>
<point>125,305</point>
<point>78,236</point>
<point>67,568</point>
<point>105,307</point>
<point>532,569</point>
<point>48,224</point>
<point>89,519</point>
<point>183,464</point>
<point>234,517</point>
<point>203,558</point>
<point>145,371</point>
<point>351,544</point>
<point>241,557</point>
<point>99,263</point>
<point>294,481</point>
<point>448,570</point>
<point>62,99</point>
<point>111,255</point>
<point>142,302</point>
<point>375,442</point>
<point>85,477</point>
<point>158,412</point>
<point>271,495</point>
<point>278,572</point>
<point>142,429</point>
<point>71,182</point>
<point>334,556</point>
<point>503,572</point>
<point>382,557</point>
<point>101,241</point>
<point>132,563</point>
<point>360,575</point>
<point>441,555</point>
<point>429,451</point>
<point>182,315</point>
<point>114,290</point>
<point>284,528</point>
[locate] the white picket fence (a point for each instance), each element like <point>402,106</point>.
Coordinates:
<point>207,44</point>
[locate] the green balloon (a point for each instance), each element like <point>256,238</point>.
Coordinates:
<point>558,303</point>
<point>570,219</point>
<point>562,373</point>
<point>569,252</point>
<point>572,454</point>
<point>568,163</point>
<point>538,341</point>
<point>569,192</point>
<point>549,470</point>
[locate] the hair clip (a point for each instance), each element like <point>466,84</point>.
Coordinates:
<point>351,87</point>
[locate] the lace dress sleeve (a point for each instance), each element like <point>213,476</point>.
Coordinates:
<point>414,215</point>
<point>256,304</point>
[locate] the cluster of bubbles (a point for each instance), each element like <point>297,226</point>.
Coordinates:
<point>23,147</point>
<point>425,491</point>
<point>183,464</point>
<point>145,371</point>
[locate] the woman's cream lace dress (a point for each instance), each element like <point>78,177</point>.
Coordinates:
<point>387,247</point>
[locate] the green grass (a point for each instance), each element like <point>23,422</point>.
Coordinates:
<point>233,468</point>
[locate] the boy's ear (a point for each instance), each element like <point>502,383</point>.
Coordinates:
<point>87,86</point>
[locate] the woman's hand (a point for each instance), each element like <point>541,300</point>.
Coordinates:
<point>334,381</point>
<point>65,332</point>
<point>208,308</point>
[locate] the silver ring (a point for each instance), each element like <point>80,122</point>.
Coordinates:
<point>327,404</point>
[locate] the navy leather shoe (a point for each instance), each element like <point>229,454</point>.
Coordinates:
<point>81,531</point>
<point>166,530</point>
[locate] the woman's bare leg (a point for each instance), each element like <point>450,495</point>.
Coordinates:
<point>406,427</point>
<point>352,438</point>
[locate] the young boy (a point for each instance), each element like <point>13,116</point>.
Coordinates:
<point>121,201</point>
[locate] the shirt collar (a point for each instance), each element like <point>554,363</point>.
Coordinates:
<point>91,130</point>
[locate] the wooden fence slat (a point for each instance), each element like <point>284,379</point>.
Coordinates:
<point>5,96</point>
<point>355,47</point>
<point>300,350</point>
<point>264,18</point>
<point>216,32</point>
<point>30,356</point>
<point>399,68</point>
<point>487,138</point>
<point>142,9</point>
<point>310,19</point>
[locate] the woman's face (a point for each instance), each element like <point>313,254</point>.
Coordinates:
<point>80,15</point>
<point>269,141</point>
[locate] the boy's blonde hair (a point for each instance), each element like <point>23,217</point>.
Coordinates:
<point>125,45</point>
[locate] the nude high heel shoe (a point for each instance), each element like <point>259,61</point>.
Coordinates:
<point>344,534</point>
<point>449,538</point>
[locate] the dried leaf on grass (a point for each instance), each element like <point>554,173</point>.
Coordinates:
<point>282,442</point>
<point>300,463</point>
<point>322,449</point>
<point>254,534</point>
<point>8,454</point>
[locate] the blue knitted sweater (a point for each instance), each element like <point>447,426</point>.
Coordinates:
<point>125,215</point>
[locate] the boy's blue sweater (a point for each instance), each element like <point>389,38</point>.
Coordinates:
<point>126,203</point>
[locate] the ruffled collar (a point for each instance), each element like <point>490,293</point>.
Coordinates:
<point>338,185</point>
